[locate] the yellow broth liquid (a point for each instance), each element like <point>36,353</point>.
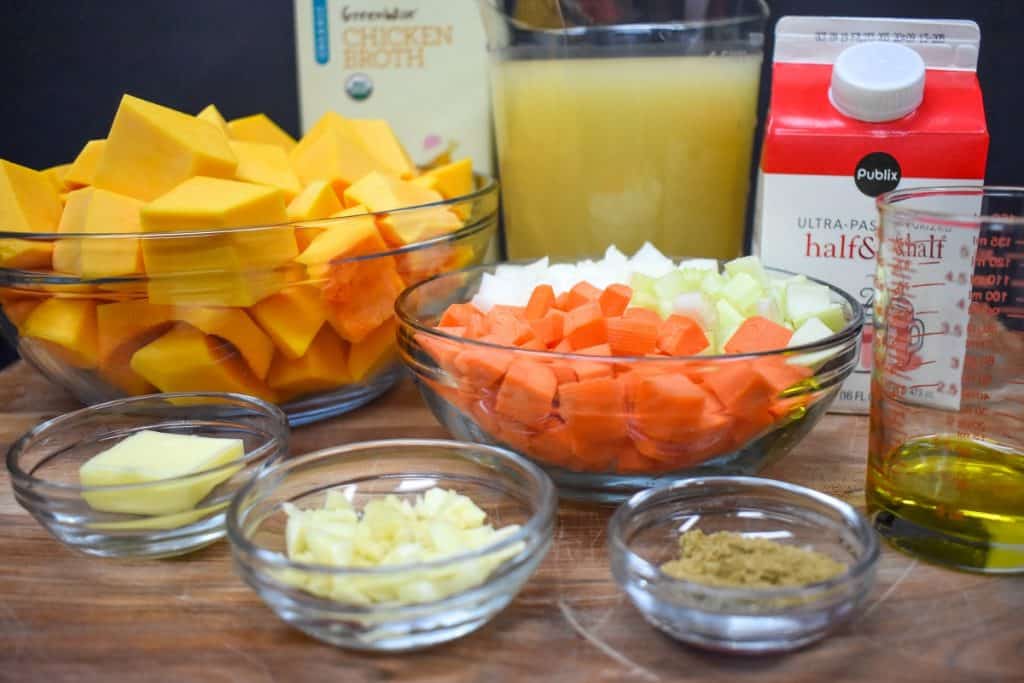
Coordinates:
<point>964,497</point>
<point>595,152</point>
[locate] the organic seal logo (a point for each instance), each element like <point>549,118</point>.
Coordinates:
<point>876,173</point>
<point>358,87</point>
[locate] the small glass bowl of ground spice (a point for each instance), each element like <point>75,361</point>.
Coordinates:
<point>742,564</point>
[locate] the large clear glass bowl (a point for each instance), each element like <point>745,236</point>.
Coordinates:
<point>624,457</point>
<point>313,336</point>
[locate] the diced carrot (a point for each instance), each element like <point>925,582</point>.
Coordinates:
<point>741,389</point>
<point>585,326</point>
<point>541,301</point>
<point>476,327</point>
<point>751,425</point>
<point>459,315</point>
<point>631,336</point>
<point>779,374</point>
<point>564,372</point>
<point>592,369</point>
<point>632,461</point>
<point>757,333</point>
<point>517,312</point>
<point>548,329</point>
<point>478,368</point>
<point>681,336</point>
<point>515,435</point>
<point>453,395</point>
<point>527,392</point>
<point>533,344</point>
<point>563,346</point>
<point>562,301</point>
<point>485,417</point>
<point>553,444</point>
<point>443,351</point>
<point>583,293</point>
<point>506,326</point>
<point>603,350</point>
<point>640,313</point>
<point>594,409</point>
<point>615,299</point>
<point>666,407</point>
<point>710,435</point>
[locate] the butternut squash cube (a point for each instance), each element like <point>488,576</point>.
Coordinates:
<point>380,141</point>
<point>332,151</point>
<point>316,201</point>
<point>211,114</point>
<point>83,169</point>
<point>323,367</point>
<point>18,310</point>
<point>234,265</point>
<point>235,326</point>
<point>360,296</point>
<point>381,192</point>
<point>265,164</point>
<point>371,353</point>
<point>25,254</point>
<point>260,128</point>
<point>129,324</point>
<point>409,226</point>
<point>240,289</point>
<point>70,325</point>
<point>292,318</point>
<point>151,149</point>
<point>357,235</point>
<point>56,175</point>
<point>92,210</point>
<point>28,200</point>
<point>452,180</point>
<point>185,359</point>
<point>117,372</point>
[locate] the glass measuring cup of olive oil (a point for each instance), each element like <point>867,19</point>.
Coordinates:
<point>945,474</point>
<point>620,122</point>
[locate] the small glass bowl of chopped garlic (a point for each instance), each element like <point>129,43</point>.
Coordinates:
<point>742,564</point>
<point>392,545</point>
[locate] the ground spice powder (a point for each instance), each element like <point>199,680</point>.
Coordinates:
<point>729,559</point>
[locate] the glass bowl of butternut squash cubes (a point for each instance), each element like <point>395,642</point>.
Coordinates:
<point>612,395</point>
<point>190,253</point>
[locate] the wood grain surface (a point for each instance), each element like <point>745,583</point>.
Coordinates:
<point>68,617</point>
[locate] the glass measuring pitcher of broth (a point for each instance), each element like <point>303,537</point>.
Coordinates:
<point>624,121</point>
<point>946,451</point>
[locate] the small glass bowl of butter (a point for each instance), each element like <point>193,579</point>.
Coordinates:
<point>392,545</point>
<point>145,477</point>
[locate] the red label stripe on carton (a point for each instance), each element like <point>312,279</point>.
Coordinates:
<point>945,138</point>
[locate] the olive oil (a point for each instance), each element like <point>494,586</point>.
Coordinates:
<point>951,499</point>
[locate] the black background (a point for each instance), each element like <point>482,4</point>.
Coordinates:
<point>64,65</point>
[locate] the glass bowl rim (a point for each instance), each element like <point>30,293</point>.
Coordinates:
<point>888,204</point>
<point>528,533</point>
<point>19,477</point>
<point>760,15</point>
<point>850,331</point>
<point>855,571</point>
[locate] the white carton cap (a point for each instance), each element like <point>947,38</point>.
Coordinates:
<point>877,81</point>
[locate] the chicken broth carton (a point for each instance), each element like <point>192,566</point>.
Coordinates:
<point>420,64</point>
<point>860,107</point>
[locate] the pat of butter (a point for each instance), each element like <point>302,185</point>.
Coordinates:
<point>152,456</point>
